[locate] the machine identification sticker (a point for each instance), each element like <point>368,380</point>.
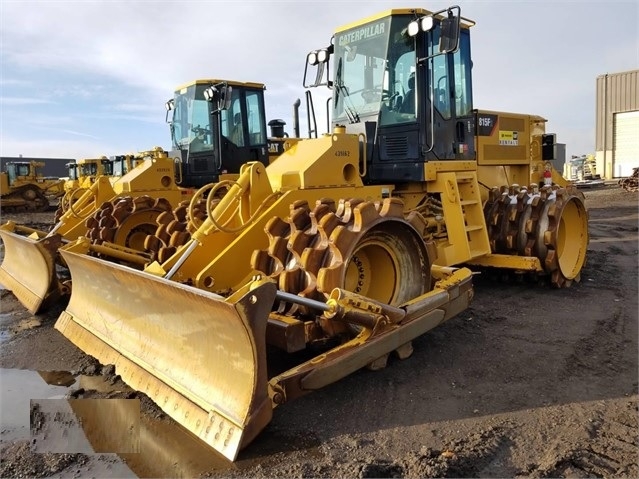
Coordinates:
<point>508,138</point>
<point>486,124</point>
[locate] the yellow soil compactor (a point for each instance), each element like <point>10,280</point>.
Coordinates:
<point>348,246</point>
<point>118,202</point>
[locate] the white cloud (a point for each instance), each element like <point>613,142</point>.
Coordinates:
<point>135,107</point>
<point>22,101</point>
<point>13,81</point>
<point>53,148</point>
<point>78,133</point>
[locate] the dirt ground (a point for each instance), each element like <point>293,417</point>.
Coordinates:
<point>528,382</point>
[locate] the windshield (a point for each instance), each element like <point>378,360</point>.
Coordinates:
<point>107,167</point>
<point>191,127</point>
<point>23,170</point>
<point>73,171</point>
<point>88,169</point>
<point>118,168</point>
<point>11,172</point>
<point>373,66</point>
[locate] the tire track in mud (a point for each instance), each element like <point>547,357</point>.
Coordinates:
<point>471,456</point>
<point>600,352</point>
<point>611,452</point>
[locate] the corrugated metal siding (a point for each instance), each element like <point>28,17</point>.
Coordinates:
<point>616,92</point>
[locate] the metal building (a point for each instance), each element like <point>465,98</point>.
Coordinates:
<point>617,124</point>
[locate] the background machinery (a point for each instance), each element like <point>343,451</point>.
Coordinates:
<point>347,247</point>
<point>23,187</point>
<point>582,171</point>
<point>82,174</point>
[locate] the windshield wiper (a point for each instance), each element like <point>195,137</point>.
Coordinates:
<point>350,111</point>
<point>173,139</point>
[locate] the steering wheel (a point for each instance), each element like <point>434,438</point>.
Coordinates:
<point>370,95</point>
<point>198,130</point>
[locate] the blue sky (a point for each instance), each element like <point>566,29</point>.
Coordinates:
<point>80,79</point>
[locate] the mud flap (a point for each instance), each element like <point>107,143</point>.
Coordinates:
<point>28,269</point>
<point>198,356</point>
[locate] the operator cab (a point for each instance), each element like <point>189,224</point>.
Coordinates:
<point>73,170</point>
<point>119,165</point>
<point>15,170</point>
<point>216,126</point>
<point>94,168</point>
<point>403,78</point>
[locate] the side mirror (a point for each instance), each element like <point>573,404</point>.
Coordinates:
<point>449,38</point>
<point>224,100</point>
<point>169,105</point>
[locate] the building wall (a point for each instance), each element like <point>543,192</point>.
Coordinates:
<point>52,166</point>
<point>616,93</point>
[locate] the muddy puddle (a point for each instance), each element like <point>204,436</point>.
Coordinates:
<point>41,407</point>
<point>11,325</point>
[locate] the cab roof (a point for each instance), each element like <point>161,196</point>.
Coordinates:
<point>212,81</point>
<point>417,12</point>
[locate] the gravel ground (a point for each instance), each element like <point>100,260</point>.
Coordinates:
<point>528,382</point>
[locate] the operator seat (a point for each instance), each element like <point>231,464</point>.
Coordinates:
<point>237,135</point>
<point>408,103</point>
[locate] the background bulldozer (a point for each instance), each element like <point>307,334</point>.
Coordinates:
<point>346,248</point>
<point>23,187</point>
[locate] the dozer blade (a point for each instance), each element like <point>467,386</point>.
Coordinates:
<point>200,357</point>
<point>28,269</point>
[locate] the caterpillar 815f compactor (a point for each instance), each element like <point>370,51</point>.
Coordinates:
<point>216,126</point>
<point>347,247</point>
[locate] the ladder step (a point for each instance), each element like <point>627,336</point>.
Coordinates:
<point>464,176</point>
<point>474,253</point>
<point>474,228</point>
<point>468,202</point>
